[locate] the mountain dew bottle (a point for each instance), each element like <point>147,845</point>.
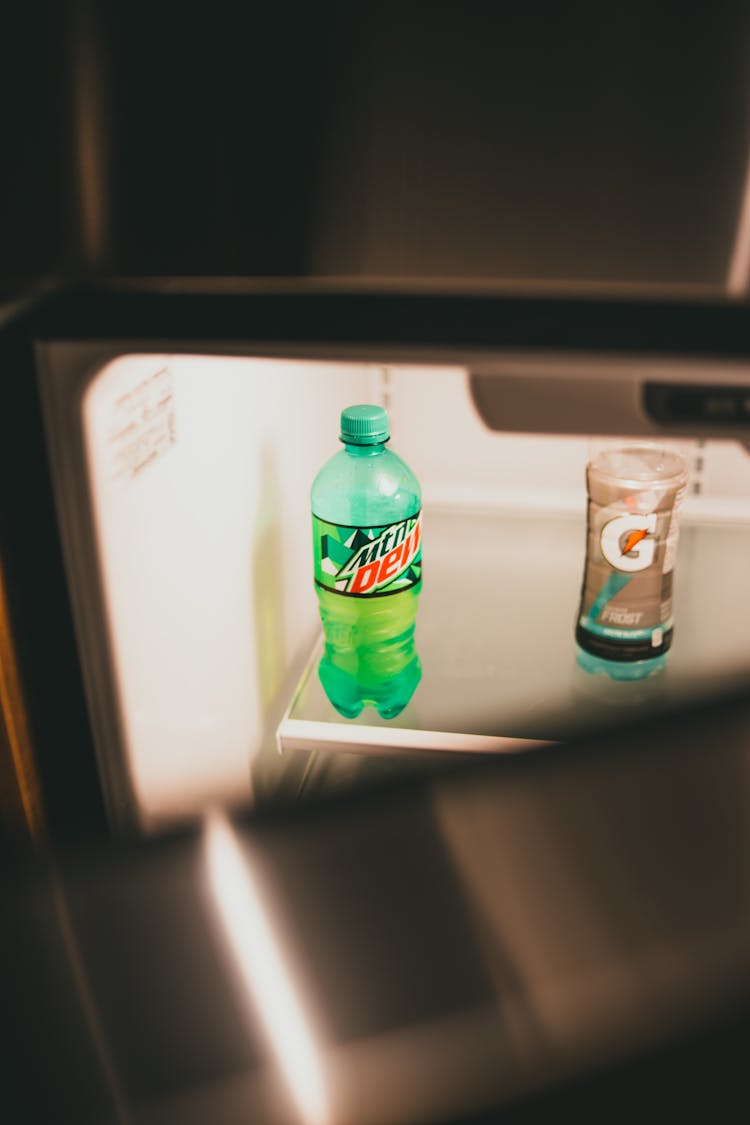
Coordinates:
<point>367,551</point>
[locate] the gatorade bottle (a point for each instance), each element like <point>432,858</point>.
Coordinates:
<point>367,553</point>
<point>624,623</point>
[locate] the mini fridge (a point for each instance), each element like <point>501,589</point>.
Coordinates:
<point>535,872</point>
<point>160,440</point>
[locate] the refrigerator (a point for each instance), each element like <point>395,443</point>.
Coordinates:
<point>160,443</point>
<point>474,909</point>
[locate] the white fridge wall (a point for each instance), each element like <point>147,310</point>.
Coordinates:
<point>200,472</point>
<point>205,553</point>
<point>462,463</point>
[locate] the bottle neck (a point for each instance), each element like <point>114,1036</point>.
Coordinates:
<point>365,450</point>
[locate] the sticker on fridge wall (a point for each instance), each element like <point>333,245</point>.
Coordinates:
<point>142,429</point>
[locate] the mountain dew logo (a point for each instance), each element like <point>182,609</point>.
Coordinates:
<point>362,561</point>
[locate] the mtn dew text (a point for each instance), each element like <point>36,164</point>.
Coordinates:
<point>367,566</point>
<point>383,560</point>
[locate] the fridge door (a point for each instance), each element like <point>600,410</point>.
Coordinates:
<point>548,934</point>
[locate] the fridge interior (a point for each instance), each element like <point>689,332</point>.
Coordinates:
<point>182,486</point>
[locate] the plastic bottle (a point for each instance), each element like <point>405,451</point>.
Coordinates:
<point>367,527</point>
<point>624,625</point>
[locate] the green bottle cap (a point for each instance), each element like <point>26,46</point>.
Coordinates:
<point>364,425</point>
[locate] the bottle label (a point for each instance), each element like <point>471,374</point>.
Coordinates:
<point>366,562</point>
<point>627,589</point>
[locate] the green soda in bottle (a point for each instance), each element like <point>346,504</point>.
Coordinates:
<point>367,551</point>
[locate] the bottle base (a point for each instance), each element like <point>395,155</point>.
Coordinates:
<point>621,651</point>
<point>350,697</point>
<point>629,670</point>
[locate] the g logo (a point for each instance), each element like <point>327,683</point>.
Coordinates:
<point>624,545</point>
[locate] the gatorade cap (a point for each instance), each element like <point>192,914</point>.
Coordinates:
<point>364,425</point>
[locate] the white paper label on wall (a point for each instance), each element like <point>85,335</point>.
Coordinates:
<point>142,428</point>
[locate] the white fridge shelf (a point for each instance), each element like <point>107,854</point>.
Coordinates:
<point>311,723</point>
<point>495,634</point>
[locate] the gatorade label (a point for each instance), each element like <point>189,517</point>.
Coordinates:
<point>627,591</point>
<point>367,562</point>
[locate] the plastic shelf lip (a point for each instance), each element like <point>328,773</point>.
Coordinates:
<point>304,734</point>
